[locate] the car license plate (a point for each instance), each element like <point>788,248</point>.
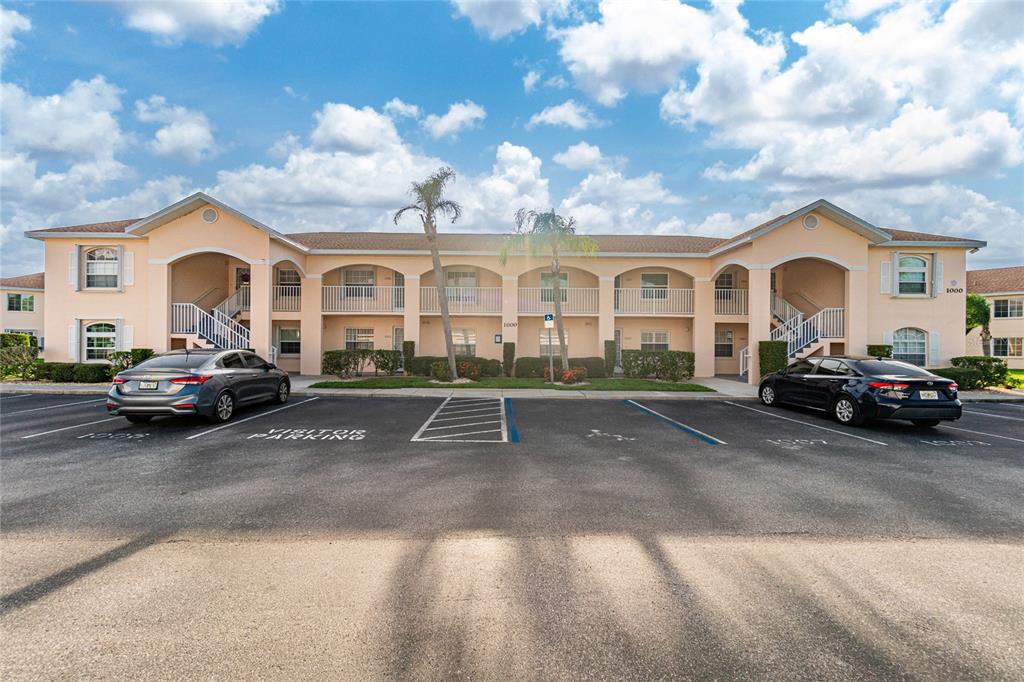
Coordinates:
<point>929,395</point>
<point>152,385</point>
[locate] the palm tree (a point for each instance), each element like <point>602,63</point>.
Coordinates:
<point>429,202</point>
<point>980,315</point>
<point>545,233</point>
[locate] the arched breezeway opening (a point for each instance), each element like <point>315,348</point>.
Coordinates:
<point>207,279</point>
<point>804,286</point>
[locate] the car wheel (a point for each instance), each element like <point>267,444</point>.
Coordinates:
<point>846,411</point>
<point>767,394</point>
<point>284,389</point>
<point>138,418</point>
<point>925,422</point>
<point>223,407</point>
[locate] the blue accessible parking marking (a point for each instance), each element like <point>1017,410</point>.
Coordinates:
<point>699,435</point>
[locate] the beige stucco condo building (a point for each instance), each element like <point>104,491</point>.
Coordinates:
<point>201,273</point>
<point>1003,288</point>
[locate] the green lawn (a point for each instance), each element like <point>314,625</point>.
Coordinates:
<point>509,382</point>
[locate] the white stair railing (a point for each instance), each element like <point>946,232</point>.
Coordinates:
<point>827,323</point>
<point>235,303</point>
<point>784,310</point>
<point>217,328</point>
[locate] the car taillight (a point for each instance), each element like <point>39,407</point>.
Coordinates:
<point>120,380</point>
<point>954,388</point>
<point>195,379</point>
<point>888,386</point>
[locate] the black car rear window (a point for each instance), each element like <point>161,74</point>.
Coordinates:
<point>183,361</point>
<point>232,361</point>
<point>890,367</point>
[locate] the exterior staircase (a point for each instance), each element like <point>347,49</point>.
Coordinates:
<point>804,336</point>
<point>210,329</point>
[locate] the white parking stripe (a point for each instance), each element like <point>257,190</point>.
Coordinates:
<point>430,419</point>
<point>462,426</point>
<point>813,426</point>
<point>67,428</point>
<point>447,436</point>
<point>55,407</point>
<point>465,415</point>
<point>986,414</point>
<point>255,416</point>
<point>13,397</point>
<point>478,409</point>
<point>468,416</point>
<point>982,433</point>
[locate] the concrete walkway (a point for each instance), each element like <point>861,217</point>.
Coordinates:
<point>725,389</point>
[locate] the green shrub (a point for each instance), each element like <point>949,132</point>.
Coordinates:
<point>530,367</point>
<point>880,350</point>
<point>440,370</point>
<point>490,367</point>
<point>671,365</point>
<point>18,360</point>
<point>387,361</point>
<point>609,358</point>
<point>88,373</point>
<point>508,355</point>
<point>15,339</point>
<point>342,363</point>
<point>994,371</point>
<point>140,355</point>
<point>573,375</point>
<point>774,355</point>
<point>423,365</point>
<point>967,378</point>
<point>59,372</point>
<point>469,370</point>
<point>408,355</point>
<point>593,365</point>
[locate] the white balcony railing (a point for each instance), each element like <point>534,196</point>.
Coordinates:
<point>730,301</point>
<point>287,298</point>
<point>351,298</point>
<point>462,300</point>
<point>574,300</point>
<point>651,301</point>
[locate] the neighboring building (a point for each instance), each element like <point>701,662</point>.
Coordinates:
<point>200,273</point>
<point>1003,288</point>
<point>23,304</point>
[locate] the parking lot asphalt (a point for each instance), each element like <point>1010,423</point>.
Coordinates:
<point>607,539</point>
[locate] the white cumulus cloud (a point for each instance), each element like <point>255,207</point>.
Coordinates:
<point>580,156</point>
<point>499,18</point>
<point>341,127</point>
<point>214,22</point>
<point>568,114</point>
<point>10,23</point>
<point>530,81</point>
<point>185,133</point>
<point>460,116</point>
<point>397,108</point>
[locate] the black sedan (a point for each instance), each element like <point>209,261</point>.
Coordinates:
<point>853,389</point>
<point>212,383</point>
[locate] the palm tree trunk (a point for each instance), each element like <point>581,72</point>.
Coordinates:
<point>986,340</point>
<point>442,298</point>
<point>556,292</point>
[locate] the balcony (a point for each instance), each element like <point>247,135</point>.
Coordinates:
<point>730,301</point>
<point>653,301</point>
<point>287,298</point>
<point>575,300</point>
<point>462,300</point>
<point>351,298</point>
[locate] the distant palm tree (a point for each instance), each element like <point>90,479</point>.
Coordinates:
<point>980,315</point>
<point>545,233</point>
<point>429,202</point>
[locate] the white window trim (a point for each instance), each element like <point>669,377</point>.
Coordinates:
<point>543,338</point>
<point>1009,300</point>
<point>1008,340</point>
<point>924,345</point>
<point>117,266</point>
<point>278,340</point>
<point>731,277</point>
<point>668,337</point>
<point>926,270</point>
<point>731,342</point>
<point>298,278</point>
<point>462,333</point>
<point>21,302</point>
<point>355,333</point>
<point>85,336</point>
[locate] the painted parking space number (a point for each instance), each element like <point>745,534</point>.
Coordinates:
<point>310,434</point>
<point>112,436</point>
<point>796,443</point>
<point>959,443</point>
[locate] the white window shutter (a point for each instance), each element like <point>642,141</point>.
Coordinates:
<point>887,338</point>
<point>894,287</point>
<point>127,336</point>
<point>74,342</point>
<point>73,267</point>
<point>938,282</point>
<point>129,269</point>
<point>886,278</point>
<point>934,349</point>
<point>120,267</point>
<point>118,329</point>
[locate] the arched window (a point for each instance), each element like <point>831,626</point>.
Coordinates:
<point>100,340</point>
<point>909,345</point>
<point>913,275</point>
<point>101,268</point>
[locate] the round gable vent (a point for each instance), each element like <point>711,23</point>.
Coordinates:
<point>210,215</point>
<point>810,222</point>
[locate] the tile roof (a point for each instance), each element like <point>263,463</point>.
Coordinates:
<point>995,280</point>
<point>454,241</point>
<point>33,281</point>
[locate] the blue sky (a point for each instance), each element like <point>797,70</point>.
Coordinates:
<point>658,117</point>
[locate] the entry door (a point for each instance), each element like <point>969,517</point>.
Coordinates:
<point>618,348</point>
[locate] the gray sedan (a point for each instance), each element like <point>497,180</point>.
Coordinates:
<point>212,383</point>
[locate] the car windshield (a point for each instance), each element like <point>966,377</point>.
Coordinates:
<point>182,361</point>
<point>890,367</point>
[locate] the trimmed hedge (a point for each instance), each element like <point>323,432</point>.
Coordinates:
<point>880,350</point>
<point>994,371</point>
<point>609,357</point>
<point>15,339</point>
<point>531,367</point>
<point>18,360</point>
<point>422,365</point>
<point>508,356</point>
<point>594,366</point>
<point>773,356</point>
<point>671,365</point>
<point>408,355</point>
<point>440,371</point>
<point>343,363</point>
<point>85,373</point>
<point>967,378</point>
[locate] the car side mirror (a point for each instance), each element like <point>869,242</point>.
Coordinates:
<point>270,365</point>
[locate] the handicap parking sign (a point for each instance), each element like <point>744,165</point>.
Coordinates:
<point>549,321</point>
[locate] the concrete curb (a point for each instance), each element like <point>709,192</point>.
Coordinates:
<point>521,393</point>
